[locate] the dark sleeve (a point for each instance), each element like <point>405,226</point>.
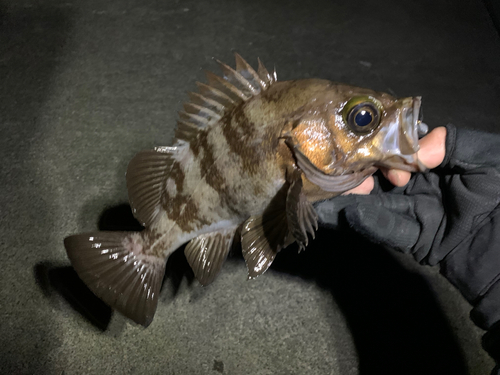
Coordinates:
<point>449,216</point>
<point>469,252</point>
<point>469,249</point>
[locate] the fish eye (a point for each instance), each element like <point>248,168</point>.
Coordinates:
<point>362,114</point>
<point>363,117</point>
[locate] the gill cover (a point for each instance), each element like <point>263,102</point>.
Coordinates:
<point>315,147</point>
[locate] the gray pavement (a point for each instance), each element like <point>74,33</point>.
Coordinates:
<point>85,85</point>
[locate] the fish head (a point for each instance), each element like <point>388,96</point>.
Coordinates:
<point>350,132</point>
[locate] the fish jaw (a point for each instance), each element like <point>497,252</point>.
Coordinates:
<point>397,142</point>
<point>329,183</point>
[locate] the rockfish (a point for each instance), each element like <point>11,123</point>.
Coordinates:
<point>250,157</point>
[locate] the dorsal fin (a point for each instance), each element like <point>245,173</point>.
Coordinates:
<point>221,95</point>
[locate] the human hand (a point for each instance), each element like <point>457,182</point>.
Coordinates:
<point>448,216</point>
<point>431,154</point>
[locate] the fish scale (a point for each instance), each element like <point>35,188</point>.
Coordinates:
<point>251,156</point>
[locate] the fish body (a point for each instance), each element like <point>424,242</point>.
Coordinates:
<point>251,156</point>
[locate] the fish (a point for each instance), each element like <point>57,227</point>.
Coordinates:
<point>251,155</point>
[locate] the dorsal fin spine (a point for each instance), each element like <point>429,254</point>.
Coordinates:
<point>195,97</point>
<point>202,122</point>
<point>206,89</point>
<point>230,88</point>
<point>196,108</point>
<point>242,65</point>
<point>264,74</point>
<point>230,72</point>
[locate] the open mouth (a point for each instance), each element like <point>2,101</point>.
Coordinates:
<point>412,127</point>
<point>400,142</point>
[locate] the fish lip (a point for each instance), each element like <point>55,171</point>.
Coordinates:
<point>398,142</point>
<point>409,163</point>
<point>409,127</point>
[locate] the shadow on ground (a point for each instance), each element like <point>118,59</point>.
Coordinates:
<point>394,318</point>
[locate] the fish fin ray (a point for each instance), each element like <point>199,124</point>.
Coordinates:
<point>146,175</point>
<point>238,80</point>
<point>206,253</point>
<point>186,130</point>
<point>301,216</point>
<point>246,70</point>
<point>227,87</point>
<point>265,75</point>
<point>263,236</point>
<point>207,113</point>
<point>116,269</point>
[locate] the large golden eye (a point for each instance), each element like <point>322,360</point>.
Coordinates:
<point>362,114</point>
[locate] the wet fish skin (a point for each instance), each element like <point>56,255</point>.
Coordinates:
<point>250,157</point>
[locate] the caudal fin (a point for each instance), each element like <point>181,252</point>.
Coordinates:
<point>117,270</point>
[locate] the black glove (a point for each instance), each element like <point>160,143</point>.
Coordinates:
<point>449,216</point>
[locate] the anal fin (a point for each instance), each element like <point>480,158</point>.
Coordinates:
<point>116,269</point>
<point>301,216</point>
<point>206,253</point>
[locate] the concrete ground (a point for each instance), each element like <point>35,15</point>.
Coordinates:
<point>86,84</point>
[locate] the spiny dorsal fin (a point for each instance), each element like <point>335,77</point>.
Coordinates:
<point>221,95</point>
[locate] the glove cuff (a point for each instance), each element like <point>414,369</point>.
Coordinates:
<point>451,141</point>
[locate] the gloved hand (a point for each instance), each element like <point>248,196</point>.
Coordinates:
<point>449,216</point>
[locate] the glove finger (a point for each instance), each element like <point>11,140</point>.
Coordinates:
<point>384,226</point>
<point>329,211</point>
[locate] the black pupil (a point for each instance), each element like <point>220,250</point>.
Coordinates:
<point>363,118</point>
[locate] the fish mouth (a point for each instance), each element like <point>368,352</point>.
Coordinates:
<point>399,140</point>
<point>412,126</point>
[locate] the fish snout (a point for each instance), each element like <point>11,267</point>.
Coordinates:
<point>398,140</point>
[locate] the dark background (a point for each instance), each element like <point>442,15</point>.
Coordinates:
<point>85,85</point>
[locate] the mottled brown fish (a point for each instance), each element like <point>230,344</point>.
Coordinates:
<point>251,156</point>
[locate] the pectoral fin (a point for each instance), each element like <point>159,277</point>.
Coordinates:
<point>300,213</point>
<point>263,236</point>
<point>207,252</point>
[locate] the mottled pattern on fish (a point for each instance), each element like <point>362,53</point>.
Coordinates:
<point>250,156</point>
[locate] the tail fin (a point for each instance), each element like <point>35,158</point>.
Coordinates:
<point>115,267</point>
